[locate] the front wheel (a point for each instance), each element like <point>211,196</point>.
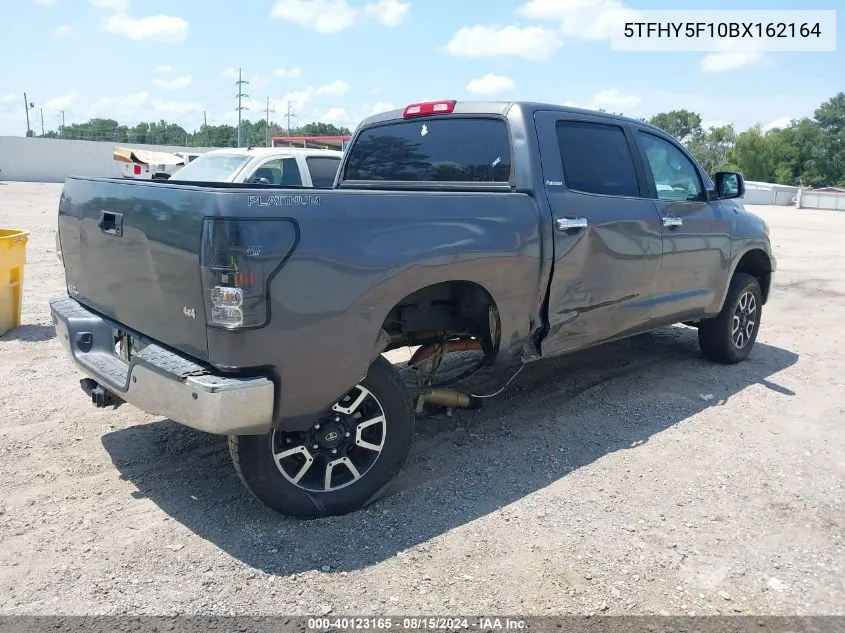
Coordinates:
<point>341,462</point>
<point>729,336</point>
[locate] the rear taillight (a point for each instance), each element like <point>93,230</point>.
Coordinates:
<point>429,107</point>
<point>137,170</point>
<point>239,259</point>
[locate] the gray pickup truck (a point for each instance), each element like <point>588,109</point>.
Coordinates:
<point>522,231</point>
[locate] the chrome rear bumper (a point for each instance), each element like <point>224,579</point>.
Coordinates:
<point>161,382</point>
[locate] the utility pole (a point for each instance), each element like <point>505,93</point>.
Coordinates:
<point>267,121</point>
<point>42,120</point>
<point>290,115</point>
<point>62,131</point>
<point>205,126</point>
<point>26,107</point>
<point>240,82</point>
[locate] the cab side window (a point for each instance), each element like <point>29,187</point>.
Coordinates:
<point>675,176</point>
<point>282,172</point>
<point>597,159</point>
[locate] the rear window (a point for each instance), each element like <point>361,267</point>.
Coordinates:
<point>452,149</point>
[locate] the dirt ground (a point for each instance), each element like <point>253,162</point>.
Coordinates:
<point>633,479</point>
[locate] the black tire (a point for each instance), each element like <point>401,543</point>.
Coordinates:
<point>254,461</point>
<point>716,336</point>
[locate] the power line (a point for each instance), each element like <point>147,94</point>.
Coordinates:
<point>27,106</point>
<point>239,83</point>
<point>290,115</point>
<point>267,122</point>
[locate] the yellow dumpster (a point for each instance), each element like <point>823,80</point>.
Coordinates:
<point>12,260</point>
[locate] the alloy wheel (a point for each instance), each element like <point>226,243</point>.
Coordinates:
<point>339,449</point>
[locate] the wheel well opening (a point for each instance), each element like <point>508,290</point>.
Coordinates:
<point>445,311</point>
<point>757,264</point>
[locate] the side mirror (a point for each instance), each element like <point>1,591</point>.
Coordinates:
<point>730,184</point>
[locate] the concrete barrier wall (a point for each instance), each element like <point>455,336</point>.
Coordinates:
<point>824,200</point>
<point>767,193</point>
<point>52,160</point>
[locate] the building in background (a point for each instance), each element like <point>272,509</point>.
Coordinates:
<point>312,142</point>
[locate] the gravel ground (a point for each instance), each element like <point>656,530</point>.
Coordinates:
<point>636,478</point>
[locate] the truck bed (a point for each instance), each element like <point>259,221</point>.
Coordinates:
<point>132,252</point>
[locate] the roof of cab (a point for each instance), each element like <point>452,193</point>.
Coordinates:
<point>502,108</point>
<point>274,151</point>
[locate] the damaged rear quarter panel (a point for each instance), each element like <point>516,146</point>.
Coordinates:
<point>359,254</point>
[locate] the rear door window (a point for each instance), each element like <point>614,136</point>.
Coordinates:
<point>323,169</point>
<point>597,159</point>
<point>448,149</point>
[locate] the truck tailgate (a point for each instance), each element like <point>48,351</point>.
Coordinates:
<point>131,251</point>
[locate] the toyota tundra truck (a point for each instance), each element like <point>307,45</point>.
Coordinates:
<point>522,231</point>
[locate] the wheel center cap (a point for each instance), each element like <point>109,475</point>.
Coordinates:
<point>330,436</point>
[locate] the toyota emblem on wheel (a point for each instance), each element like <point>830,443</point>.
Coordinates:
<point>331,436</point>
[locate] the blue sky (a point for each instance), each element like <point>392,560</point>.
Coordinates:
<point>341,60</point>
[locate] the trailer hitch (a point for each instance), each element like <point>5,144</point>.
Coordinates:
<point>100,397</point>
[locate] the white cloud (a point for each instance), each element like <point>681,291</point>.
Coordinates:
<point>382,106</point>
<point>118,6</point>
<point>162,28</point>
<point>61,103</point>
<point>322,16</point>
<point>141,106</point>
<point>532,42</point>
<point>175,108</point>
<point>298,99</point>
<point>9,97</point>
<point>45,3</point>
<point>287,73</point>
<point>130,101</point>
<point>781,122</point>
<point>729,60</point>
<point>611,99</point>
<point>490,84</point>
<point>338,116</point>
<point>337,88</point>
<point>614,100</point>
<point>177,83</point>
<point>231,73</point>
<point>582,19</point>
<point>62,32</point>
<point>167,68</point>
<point>388,12</point>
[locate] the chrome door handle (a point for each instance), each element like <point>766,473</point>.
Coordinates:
<point>567,224</point>
<point>671,223</point>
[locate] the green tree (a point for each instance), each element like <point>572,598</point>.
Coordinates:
<point>752,154</point>
<point>711,147</point>
<point>830,116</point>
<point>682,124</point>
